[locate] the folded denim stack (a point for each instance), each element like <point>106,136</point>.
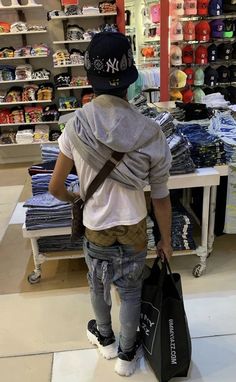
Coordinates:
<point>59,243</point>
<point>223,125</point>
<point>182,229</point>
<point>182,162</point>
<point>45,211</point>
<point>49,152</point>
<point>150,236</point>
<point>140,102</point>
<point>206,149</point>
<point>40,182</point>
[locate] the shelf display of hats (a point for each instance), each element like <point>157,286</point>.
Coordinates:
<point>203,46</point>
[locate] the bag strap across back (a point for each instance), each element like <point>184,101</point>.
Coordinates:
<point>103,174</point>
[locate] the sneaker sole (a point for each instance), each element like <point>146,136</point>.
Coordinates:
<point>127,368</point>
<point>108,352</point>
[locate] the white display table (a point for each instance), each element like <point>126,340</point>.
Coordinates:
<point>205,177</point>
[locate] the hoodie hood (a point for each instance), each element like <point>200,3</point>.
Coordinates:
<point>115,123</point>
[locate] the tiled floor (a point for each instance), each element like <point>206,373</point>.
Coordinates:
<point>43,327</point>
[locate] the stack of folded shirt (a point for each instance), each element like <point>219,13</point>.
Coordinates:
<point>107,7</point>
<point>182,162</point>
<point>90,10</point>
<point>24,136</point>
<point>206,149</point>
<point>223,125</point>
<point>49,152</point>
<point>40,182</point>
<point>45,211</point>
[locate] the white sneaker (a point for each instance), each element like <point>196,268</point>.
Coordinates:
<point>126,363</point>
<point>106,345</point>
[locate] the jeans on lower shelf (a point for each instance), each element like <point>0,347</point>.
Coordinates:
<point>123,266</point>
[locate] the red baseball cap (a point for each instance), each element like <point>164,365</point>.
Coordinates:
<point>202,7</point>
<point>188,54</point>
<point>201,55</point>
<point>187,95</point>
<point>203,31</point>
<point>190,76</point>
<point>189,31</point>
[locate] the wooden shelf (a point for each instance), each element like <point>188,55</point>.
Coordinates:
<point>28,124</point>
<point>27,144</point>
<point>22,57</point>
<point>23,81</point>
<point>196,17</point>
<point>84,16</point>
<point>21,33</point>
<point>70,42</point>
<point>10,7</point>
<point>74,87</point>
<point>23,103</point>
<point>69,66</point>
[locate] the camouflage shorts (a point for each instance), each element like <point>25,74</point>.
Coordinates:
<point>135,235</point>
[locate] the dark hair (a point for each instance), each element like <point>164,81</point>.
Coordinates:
<point>121,93</point>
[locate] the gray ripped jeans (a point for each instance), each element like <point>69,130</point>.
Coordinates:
<point>122,266</point>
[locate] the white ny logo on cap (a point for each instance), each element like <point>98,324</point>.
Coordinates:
<point>114,66</point>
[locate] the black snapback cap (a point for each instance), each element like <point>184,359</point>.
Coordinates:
<point>109,62</point>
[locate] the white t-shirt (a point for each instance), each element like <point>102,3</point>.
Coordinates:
<point>112,204</point>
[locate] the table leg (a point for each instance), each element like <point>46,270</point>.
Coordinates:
<point>35,276</point>
<point>202,251</point>
<point>211,235</point>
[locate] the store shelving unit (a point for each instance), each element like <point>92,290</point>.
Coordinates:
<point>23,57</point>
<point>24,102</point>
<point>84,16</point>
<point>25,81</point>
<point>63,42</point>
<point>68,66</point>
<point>28,124</point>
<point>20,7</point>
<point>22,33</point>
<point>74,87</point>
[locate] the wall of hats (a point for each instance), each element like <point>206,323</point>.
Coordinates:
<point>203,49</point>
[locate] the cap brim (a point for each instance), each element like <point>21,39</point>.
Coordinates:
<point>123,80</point>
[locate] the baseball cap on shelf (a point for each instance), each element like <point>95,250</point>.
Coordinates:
<point>215,7</point>
<point>177,79</point>
<point>175,55</point>
<point>190,76</point>
<point>212,53</point>
<point>190,7</point>
<point>203,30</point>
<point>109,62</point>
<point>199,77</point>
<point>176,31</point>
<point>189,31</point>
<point>225,51</point>
<point>201,55</point>
<point>198,95</point>
<point>155,11</point>
<point>232,69</point>
<point>176,95</point>
<point>228,29</point>
<point>217,28</point>
<point>202,7</point>
<point>188,54</point>
<point>187,95</point>
<point>177,7</point>
<point>211,76</point>
<point>223,74</point>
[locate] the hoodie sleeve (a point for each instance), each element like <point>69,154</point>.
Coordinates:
<point>159,170</point>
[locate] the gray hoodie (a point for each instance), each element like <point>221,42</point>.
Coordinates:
<point>109,124</point>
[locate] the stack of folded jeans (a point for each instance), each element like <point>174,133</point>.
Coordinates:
<point>40,182</point>
<point>49,152</point>
<point>181,230</point>
<point>206,149</point>
<point>182,162</point>
<point>140,102</point>
<point>45,211</point>
<point>223,125</point>
<point>150,236</point>
<point>59,243</point>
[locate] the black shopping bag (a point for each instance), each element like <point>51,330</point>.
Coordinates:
<point>163,325</point>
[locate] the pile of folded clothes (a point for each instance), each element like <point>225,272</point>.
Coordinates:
<point>206,149</point>
<point>49,152</point>
<point>40,182</point>
<point>20,27</point>
<point>59,243</point>
<point>181,230</point>
<point>223,125</point>
<point>46,211</point>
